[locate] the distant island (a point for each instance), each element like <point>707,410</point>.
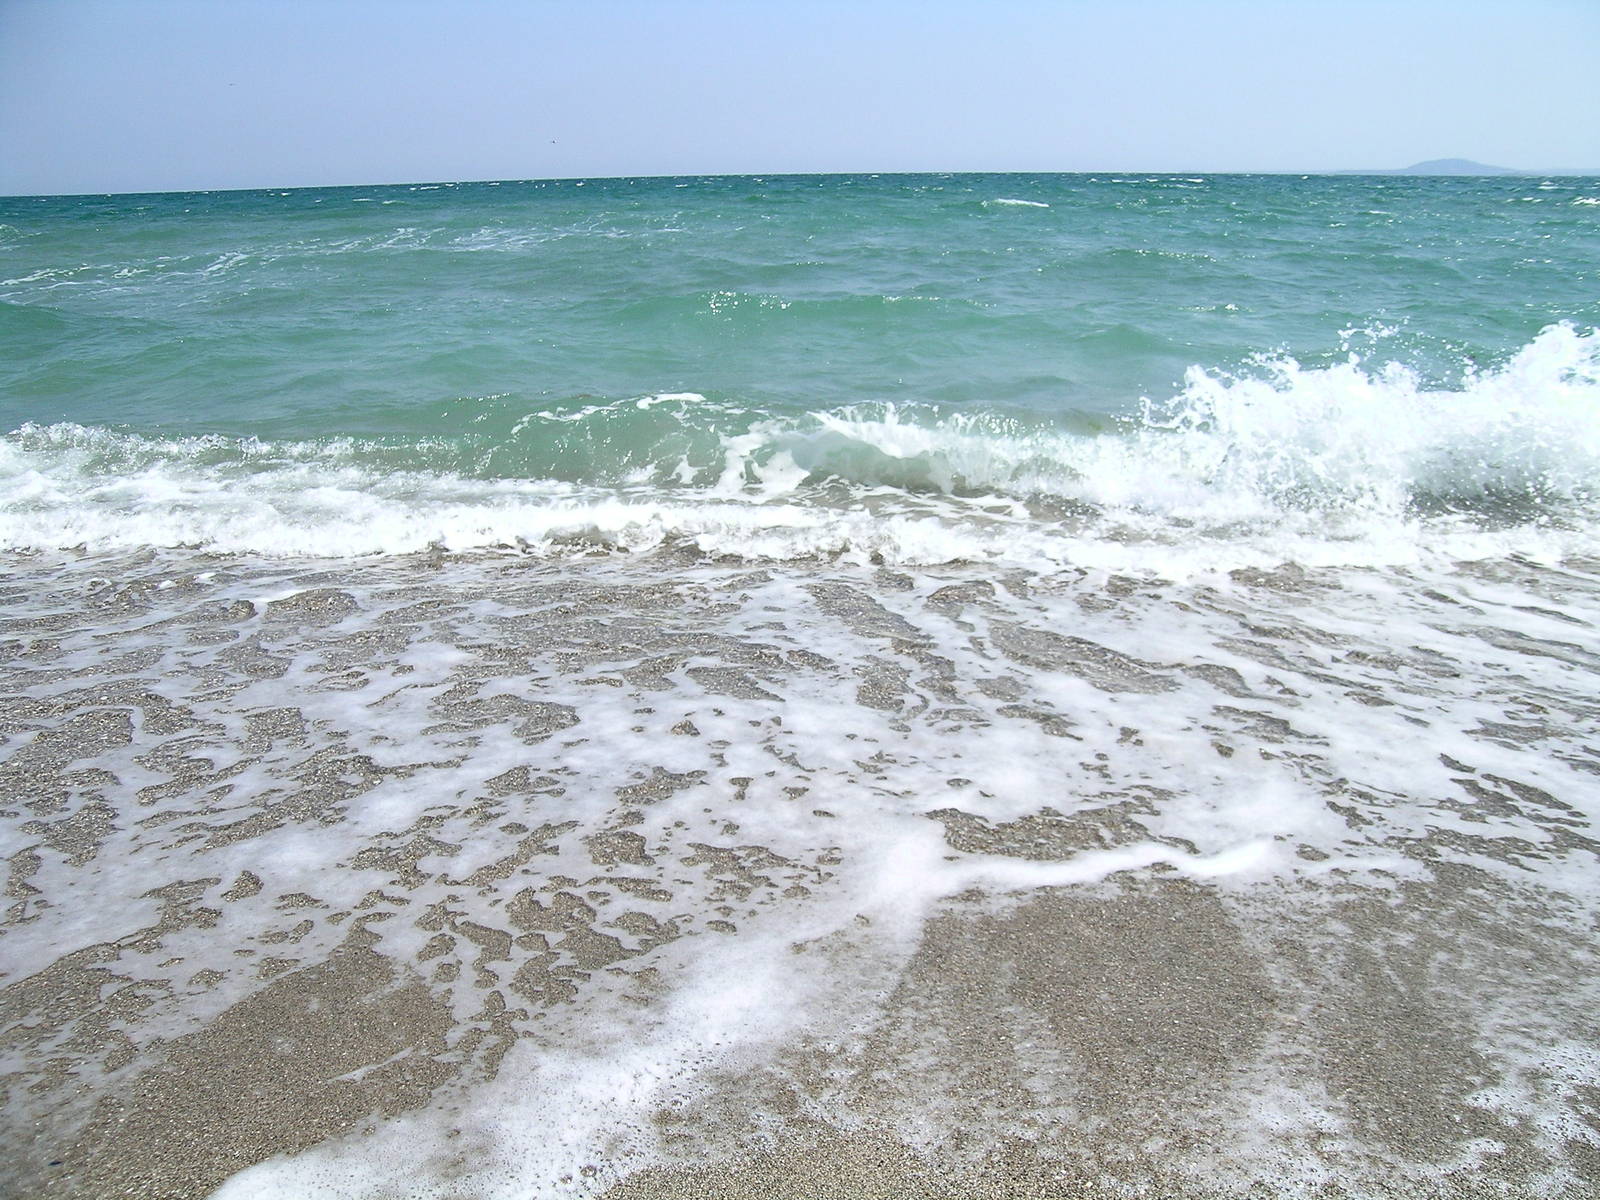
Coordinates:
<point>1465,166</point>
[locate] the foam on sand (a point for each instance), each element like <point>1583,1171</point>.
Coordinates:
<point>563,849</point>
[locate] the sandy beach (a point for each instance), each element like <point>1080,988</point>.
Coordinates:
<point>409,873</point>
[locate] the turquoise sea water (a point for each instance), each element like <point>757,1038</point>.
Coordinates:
<point>459,362</point>
<point>998,684</point>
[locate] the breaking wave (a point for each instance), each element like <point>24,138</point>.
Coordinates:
<point>1281,458</point>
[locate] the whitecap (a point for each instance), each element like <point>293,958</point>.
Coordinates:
<point>1355,463</point>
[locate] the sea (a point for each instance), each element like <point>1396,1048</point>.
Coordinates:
<point>507,688</point>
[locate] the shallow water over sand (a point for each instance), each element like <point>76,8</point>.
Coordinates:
<point>496,876</point>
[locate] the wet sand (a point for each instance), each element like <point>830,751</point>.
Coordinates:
<point>1150,1009</point>
<point>1337,1029</point>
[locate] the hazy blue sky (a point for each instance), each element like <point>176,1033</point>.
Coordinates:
<point>131,95</point>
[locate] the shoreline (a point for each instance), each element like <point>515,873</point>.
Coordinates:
<point>725,880</point>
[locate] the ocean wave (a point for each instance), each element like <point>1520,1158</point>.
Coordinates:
<point>1279,459</point>
<point>1351,437</point>
<point>1282,439</point>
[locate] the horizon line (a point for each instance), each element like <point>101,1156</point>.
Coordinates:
<point>1367,172</point>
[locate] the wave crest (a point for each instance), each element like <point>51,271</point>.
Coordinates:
<point>1274,460</point>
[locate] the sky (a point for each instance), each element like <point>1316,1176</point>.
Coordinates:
<point>165,95</point>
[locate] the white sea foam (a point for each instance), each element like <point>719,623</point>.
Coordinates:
<point>1222,802</point>
<point>1323,689</point>
<point>1009,202</point>
<point>1351,463</point>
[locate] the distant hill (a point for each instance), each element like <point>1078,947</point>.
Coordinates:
<point>1465,166</point>
<point>1454,166</point>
